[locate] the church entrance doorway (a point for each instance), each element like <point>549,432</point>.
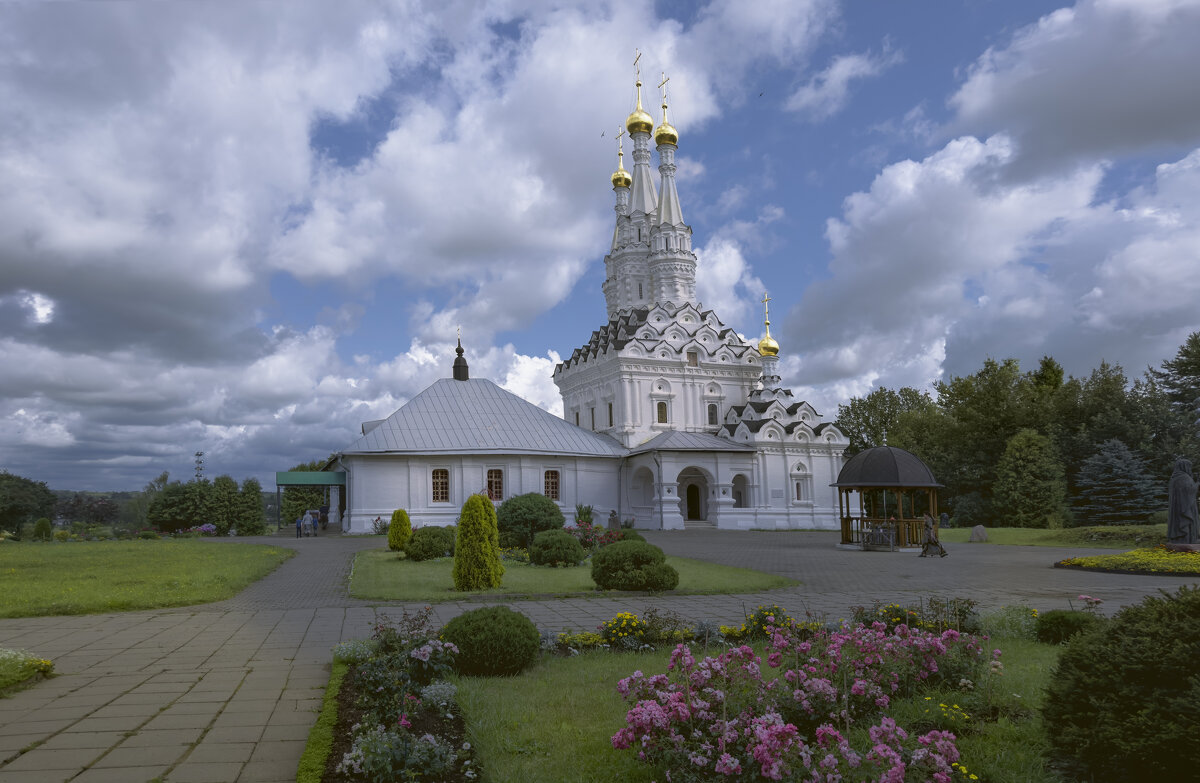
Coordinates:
<point>693,488</point>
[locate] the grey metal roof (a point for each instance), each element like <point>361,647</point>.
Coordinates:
<point>674,440</point>
<point>477,416</point>
<point>885,466</point>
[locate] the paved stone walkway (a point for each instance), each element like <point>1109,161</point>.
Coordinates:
<point>228,691</point>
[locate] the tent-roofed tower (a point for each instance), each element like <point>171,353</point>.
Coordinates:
<point>711,434</point>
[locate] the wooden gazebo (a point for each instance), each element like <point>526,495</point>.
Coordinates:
<point>894,488</point>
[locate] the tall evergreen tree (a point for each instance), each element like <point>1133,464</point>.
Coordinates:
<point>1030,490</point>
<point>251,520</point>
<point>1115,487</point>
<point>223,504</point>
<point>1180,377</point>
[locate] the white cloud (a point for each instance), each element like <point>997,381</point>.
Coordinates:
<point>827,92</point>
<point>1097,80</point>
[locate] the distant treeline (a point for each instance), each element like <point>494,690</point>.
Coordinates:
<point>1035,449</point>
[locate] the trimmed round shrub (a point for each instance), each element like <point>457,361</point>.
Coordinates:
<point>521,517</point>
<point>427,543</point>
<point>493,640</point>
<point>477,549</point>
<point>633,565</point>
<point>1124,701</point>
<point>629,534</point>
<point>1059,625</point>
<point>399,530</point>
<point>42,530</point>
<point>556,548</point>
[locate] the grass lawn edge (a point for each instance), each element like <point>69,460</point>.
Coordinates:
<point>320,739</point>
<point>770,582</point>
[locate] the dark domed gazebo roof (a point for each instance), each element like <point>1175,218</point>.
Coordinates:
<point>885,466</point>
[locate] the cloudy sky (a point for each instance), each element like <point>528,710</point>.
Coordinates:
<point>244,228</point>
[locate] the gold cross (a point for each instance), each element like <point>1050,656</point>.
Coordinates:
<point>620,143</point>
<point>766,307</point>
<point>635,63</point>
<point>665,79</point>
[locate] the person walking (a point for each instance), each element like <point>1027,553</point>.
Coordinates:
<point>929,541</point>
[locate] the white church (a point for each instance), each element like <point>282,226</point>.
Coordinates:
<point>670,418</point>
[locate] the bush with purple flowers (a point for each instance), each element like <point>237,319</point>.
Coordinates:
<point>719,717</point>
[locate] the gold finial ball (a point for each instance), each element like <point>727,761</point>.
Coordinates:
<point>621,178</point>
<point>666,134</point>
<point>768,347</point>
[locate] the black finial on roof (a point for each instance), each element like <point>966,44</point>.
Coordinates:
<point>461,372</point>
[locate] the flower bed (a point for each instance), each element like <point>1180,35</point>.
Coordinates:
<point>721,717</point>
<point>397,714</point>
<point>1156,560</point>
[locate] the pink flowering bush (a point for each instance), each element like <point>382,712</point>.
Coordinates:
<point>719,717</point>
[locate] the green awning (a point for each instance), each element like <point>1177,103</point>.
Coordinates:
<point>311,478</point>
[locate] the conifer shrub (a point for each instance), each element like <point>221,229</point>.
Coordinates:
<point>1124,701</point>
<point>477,549</point>
<point>522,517</point>
<point>399,530</point>
<point>427,543</point>
<point>556,548</point>
<point>633,565</point>
<point>1059,625</point>
<point>42,530</point>
<point>493,640</point>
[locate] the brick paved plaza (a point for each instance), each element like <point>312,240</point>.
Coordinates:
<point>228,691</point>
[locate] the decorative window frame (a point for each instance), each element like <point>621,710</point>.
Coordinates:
<point>494,494</point>
<point>546,478</point>
<point>433,484</point>
<point>801,479</point>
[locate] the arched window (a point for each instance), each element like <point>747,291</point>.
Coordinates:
<point>610,415</point>
<point>662,413</point>
<point>441,485</point>
<point>799,490</point>
<point>495,484</point>
<point>712,414</point>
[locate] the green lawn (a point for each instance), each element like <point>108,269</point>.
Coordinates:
<point>1111,537</point>
<point>382,575</point>
<point>579,710</point>
<point>38,579</point>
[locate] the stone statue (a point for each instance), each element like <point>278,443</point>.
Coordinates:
<point>1182,525</point>
<point>613,522</point>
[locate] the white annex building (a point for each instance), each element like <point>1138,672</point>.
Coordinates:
<point>669,416</point>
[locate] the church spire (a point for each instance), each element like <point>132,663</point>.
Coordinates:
<point>769,349</point>
<point>461,372</point>
<point>667,138</point>
<point>639,124</point>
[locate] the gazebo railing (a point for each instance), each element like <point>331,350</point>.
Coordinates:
<point>880,532</point>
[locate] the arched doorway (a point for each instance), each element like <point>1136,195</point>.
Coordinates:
<point>693,489</point>
<point>693,502</point>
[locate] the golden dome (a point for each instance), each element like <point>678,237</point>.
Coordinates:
<point>768,347</point>
<point>638,120</point>
<point>666,134</point>
<point>621,177</point>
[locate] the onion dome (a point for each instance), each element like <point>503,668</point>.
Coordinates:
<point>767,346</point>
<point>638,120</point>
<point>666,133</point>
<point>621,178</point>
